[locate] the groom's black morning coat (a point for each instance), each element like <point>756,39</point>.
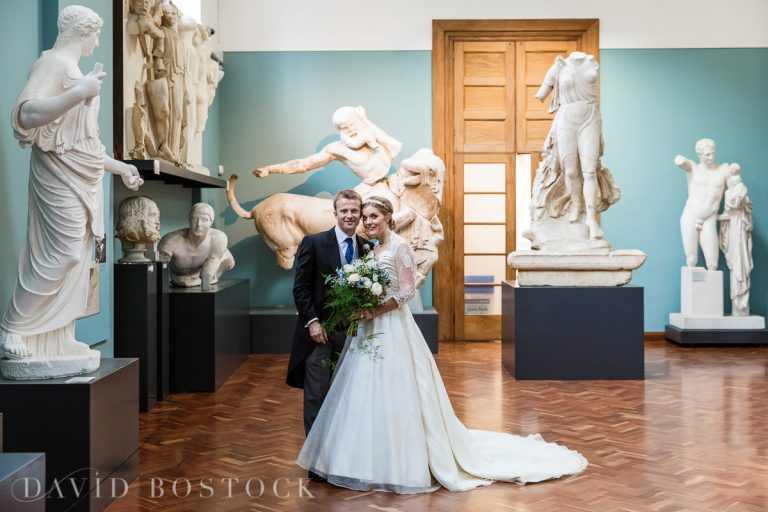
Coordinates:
<point>317,257</point>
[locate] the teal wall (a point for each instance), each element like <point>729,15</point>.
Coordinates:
<point>655,104</point>
<point>278,106</point>
<point>21,33</point>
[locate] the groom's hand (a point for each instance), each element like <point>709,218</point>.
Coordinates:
<point>317,333</point>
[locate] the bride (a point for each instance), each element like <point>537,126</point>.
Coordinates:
<point>387,423</point>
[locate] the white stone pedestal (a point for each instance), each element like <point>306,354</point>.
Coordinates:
<point>701,292</point>
<point>701,303</point>
<point>595,267</point>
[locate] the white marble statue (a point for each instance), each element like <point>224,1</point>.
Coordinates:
<point>363,147</point>
<point>415,191</point>
<point>570,189</point>
<point>571,185</point>
<point>706,185</point>
<point>198,255</point>
<point>701,289</point>
<point>138,228</point>
<point>56,113</point>
<point>736,242</point>
<point>418,187</point>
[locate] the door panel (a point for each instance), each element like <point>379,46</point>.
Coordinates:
<point>485,74</point>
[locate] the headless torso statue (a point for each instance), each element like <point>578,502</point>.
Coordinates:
<point>56,114</point>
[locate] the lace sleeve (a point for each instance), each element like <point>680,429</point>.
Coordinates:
<point>405,262</point>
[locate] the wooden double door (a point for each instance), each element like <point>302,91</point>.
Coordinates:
<point>489,129</point>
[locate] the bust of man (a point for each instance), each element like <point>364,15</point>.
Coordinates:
<point>198,255</point>
<point>138,227</point>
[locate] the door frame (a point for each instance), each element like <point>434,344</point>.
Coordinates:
<point>444,35</point>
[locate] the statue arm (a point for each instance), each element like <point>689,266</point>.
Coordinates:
<point>549,81</point>
<point>218,251</point>
<point>391,144</point>
<point>38,112</point>
<point>297,166</point>
<point>403,217</point>
<point>684,163</point>
<point>128,173</point>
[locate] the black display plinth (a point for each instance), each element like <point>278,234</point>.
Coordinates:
<point>87,430</point>
<point>163,332</point>
<point>716,336</point>
<point>572,333</point>
<point>272,329</point>
<point>210,334</point>
<point>136,322</point>
<point>22,482</point>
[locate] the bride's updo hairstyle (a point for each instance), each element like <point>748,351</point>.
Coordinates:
<point>383,205</point>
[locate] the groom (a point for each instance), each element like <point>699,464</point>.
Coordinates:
<point>318,256</point>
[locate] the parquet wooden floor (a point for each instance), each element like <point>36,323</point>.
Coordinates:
<point>692,437</point>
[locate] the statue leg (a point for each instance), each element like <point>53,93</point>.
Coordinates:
<point>589,153</point>
<point>709,242</point>
<point>690,236</point>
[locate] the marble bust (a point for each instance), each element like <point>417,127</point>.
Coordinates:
<point>138,228</point>
<point>197,255</point>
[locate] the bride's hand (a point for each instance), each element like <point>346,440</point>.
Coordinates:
<point>364,314</point>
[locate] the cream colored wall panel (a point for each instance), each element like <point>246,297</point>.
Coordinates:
<point>336,25</point>
<point>481,177</point>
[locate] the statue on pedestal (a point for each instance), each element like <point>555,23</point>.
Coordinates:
<point>138,228</point>
<point>570,189</point>
<point>701,289</point>
<point>57,115</point>
<point>198,255</point>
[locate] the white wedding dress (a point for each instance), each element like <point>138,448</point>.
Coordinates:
<point>387,424</point>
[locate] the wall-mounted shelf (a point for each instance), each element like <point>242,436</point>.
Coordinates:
<point>160,170</point>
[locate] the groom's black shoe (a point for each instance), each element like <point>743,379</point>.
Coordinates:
<point>316,478</point>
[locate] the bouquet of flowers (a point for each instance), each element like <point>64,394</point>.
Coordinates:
<point>357,285</point>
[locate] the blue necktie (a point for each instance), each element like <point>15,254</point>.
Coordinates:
<point>350,250</point>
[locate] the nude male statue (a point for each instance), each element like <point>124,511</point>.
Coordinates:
<point>198,255</point>
<point>706,185</point>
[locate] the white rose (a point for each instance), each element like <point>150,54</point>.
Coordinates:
<point>348,268</point>
<point>376,289</point>
<point>353,278</point>
<point>371,264</point>
<point>367,282</point>
<point>375,278</point>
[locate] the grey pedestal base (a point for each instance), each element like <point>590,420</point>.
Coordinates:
<point>572,333</point>
<point>716,337</point>
<point>272,329</point>
<point>209,334</point>
<point>86,430</point>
